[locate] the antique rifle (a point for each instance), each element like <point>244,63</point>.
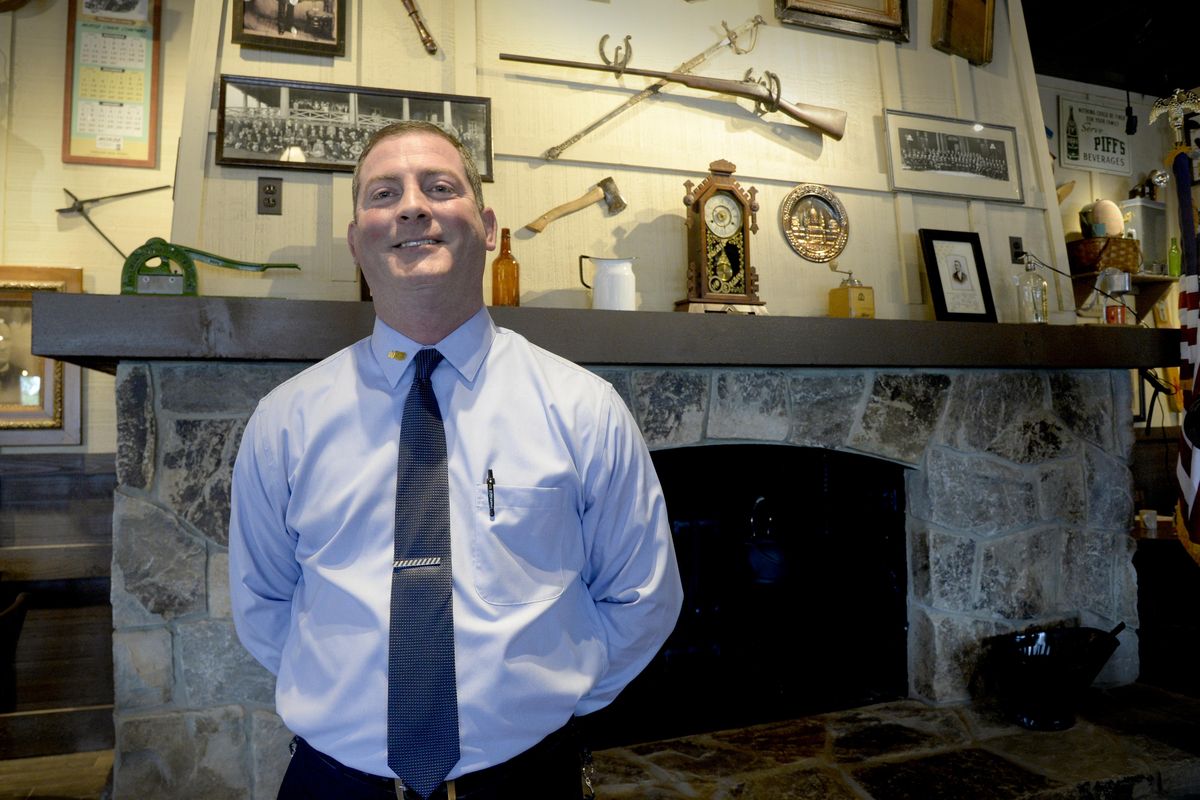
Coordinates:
<point>730,40</point>
<point>765,95</point>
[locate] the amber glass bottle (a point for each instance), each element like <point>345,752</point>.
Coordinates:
<point>506,275</point>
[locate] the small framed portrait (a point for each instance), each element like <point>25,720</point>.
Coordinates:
<point>39,397</point>
<point>264,122</point>
<point>958,280</point>
<point>317,27</point>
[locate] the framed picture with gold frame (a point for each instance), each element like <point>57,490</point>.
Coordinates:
<point>39,397</point>
<point>876,19</point>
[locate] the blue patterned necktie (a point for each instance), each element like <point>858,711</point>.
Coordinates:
<point>422,698</point>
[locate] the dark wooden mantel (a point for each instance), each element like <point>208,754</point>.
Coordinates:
<point>99,331</point>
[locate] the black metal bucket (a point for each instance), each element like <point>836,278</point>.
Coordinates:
<point>1043,673</point>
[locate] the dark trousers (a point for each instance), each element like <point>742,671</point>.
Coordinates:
<point>550,770</point>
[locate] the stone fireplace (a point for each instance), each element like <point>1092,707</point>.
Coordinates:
<point>1017,505</point>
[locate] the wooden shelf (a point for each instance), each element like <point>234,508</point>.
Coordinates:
<point>98,331</point>
<point>1149,289</point>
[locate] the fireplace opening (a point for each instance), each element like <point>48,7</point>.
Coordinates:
<point>794,573</point>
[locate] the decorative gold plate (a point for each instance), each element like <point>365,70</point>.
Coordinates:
<point>814,222</point>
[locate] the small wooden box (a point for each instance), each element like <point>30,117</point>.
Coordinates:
<point>852,301</point>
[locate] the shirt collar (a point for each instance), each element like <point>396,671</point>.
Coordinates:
<point>464,348</point>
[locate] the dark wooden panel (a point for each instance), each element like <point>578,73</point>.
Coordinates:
<point>56,562</point>
<point>64,658</point>
<point>98,331</point>
<point>64,730</point>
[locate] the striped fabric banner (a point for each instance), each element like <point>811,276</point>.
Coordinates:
<point>1187,516</point>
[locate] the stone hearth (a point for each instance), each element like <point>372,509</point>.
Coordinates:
<point>1018,506</point>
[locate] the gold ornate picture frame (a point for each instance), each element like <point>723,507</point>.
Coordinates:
<point>39,397</point>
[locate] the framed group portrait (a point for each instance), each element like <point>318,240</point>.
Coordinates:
<point>940,155</point>
<point>39,397</point>
<point>264,122</point>
<point>316,27</point>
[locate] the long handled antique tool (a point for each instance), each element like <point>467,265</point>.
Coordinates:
<point>764,93</point>
<point>730,40</point>
<point>422,31</point>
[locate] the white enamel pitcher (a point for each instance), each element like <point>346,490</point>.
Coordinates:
<point>615,285</point>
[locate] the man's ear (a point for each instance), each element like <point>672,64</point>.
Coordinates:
<point>489,228</point>
<point>351,230</point>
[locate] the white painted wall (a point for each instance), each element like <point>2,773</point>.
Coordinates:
<point>650,151</point>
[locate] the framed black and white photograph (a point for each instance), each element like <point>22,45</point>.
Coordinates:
<point>39,397</point>
<point>958,280</point>
<point>940,155</point>
<point>264,122</point>
<point>875,19</point>
<point>317,27</point>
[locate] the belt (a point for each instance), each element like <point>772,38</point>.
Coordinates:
<point>521,768</point>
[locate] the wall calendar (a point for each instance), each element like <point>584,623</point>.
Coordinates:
<point>111,97</point>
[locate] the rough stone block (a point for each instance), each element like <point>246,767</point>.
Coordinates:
<point>143,668</point>
<point>1110,491</point>
<point>1089,558</point>
<point>158,566</point>
<point>1061,494</point>
<point>749,405</point>
<point>219,387</point>
<point>196,471</point>
<point>187,755</point>
<point>950,563</point>
<point>269,744</point>
<point>136,425</point>
<point>1002,413</point>
<point>824,405</point>
<point>217,669</point>
<point>944,654</point>
<point>1084,402</point>
<point>901,414</point>
<point>976,493</point>
<point>1018,574</point>
<point>670,405</point>
<point>218,586</point>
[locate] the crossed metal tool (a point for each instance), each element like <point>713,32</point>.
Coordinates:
<point>80,207</point>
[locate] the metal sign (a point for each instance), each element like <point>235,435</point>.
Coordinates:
<point>1092,136</point>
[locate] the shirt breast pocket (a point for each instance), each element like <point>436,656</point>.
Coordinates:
<point>518,555</point>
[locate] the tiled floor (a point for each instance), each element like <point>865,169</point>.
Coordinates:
<point>1128,743</point>
<point>1132,742</point>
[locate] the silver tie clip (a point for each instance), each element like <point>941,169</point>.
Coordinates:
<point>407,563</point>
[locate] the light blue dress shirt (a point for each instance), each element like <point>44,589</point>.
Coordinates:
<point>559,600</point>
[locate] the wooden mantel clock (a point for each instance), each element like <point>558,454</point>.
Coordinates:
<point>720,218</point>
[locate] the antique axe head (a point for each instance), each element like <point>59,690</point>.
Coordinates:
<point>605,190</point>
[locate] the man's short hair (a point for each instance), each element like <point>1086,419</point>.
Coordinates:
<point>420,126</point>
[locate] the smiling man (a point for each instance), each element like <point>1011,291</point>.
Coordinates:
<point>559,577</point>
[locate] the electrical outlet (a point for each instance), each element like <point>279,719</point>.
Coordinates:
<point>270,195</point>
<point>1016,249</point>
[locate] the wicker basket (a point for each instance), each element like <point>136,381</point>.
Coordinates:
<point>1102,252</point>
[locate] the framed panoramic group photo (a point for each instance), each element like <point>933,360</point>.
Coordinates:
<point>317,126</point>
<point>939,155</point>
<point>317,27</point>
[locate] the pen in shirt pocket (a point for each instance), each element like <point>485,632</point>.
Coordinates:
<point>491,486</point>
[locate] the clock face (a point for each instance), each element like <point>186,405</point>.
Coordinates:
<point>722,214</point>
